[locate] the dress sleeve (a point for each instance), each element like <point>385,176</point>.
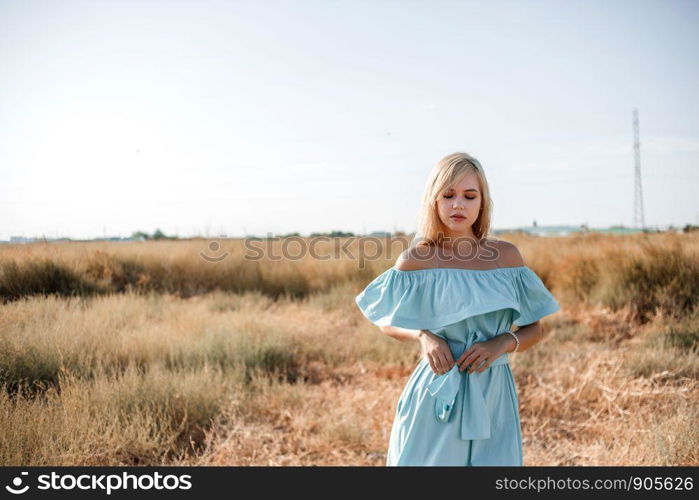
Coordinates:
<point>535,301</point>
<point>397,299</point>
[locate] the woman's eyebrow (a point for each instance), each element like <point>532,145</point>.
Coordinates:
<point>469,189</point>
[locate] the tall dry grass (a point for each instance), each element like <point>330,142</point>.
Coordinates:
<point>275,268</point>
<point>146,354</point>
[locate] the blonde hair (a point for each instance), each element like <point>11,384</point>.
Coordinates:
<point>445,174</point>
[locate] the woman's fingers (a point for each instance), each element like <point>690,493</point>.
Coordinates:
<point>444,361</point>
<point>476,363</point>
<point>468,352</point>
<point>429,360</point>
<point>468,360</point>
<point>450,358</point>
<point>475,358</point>
<point>437,363</point>
<point>484,366</point>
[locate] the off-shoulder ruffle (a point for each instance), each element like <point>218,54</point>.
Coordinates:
<point>434,298</point>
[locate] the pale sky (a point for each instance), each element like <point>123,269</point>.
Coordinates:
<point>250,117</point>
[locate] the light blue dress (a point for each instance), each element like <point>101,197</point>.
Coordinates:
<point>457,419</point>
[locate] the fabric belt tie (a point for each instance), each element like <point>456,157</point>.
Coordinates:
<point>475,419</point>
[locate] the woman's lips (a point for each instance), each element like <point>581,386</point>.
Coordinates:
<point>458,217</point>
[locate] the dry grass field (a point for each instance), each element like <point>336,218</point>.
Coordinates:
<point>145,353</point>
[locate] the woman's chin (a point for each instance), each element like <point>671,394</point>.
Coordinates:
<point>460,231</point>
<point>460,226</point>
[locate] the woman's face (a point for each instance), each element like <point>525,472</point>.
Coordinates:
<point>463,200</point>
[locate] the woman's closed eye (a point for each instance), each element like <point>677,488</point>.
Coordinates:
<point>449,196</point>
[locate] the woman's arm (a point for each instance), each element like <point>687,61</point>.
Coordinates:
<point>403,334</point>
<point>528,335</point>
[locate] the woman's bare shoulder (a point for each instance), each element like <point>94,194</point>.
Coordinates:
<point>416,258</point>
<point>508,253</point>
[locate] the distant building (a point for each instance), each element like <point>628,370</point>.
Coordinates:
<point>21,239</point>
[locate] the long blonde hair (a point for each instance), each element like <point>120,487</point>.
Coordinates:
<point>445,174</point>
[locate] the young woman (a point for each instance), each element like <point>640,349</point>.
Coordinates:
<point>458,293</point>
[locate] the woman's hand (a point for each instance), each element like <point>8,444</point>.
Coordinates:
<point>481,354</point>
<point>437,351</point>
